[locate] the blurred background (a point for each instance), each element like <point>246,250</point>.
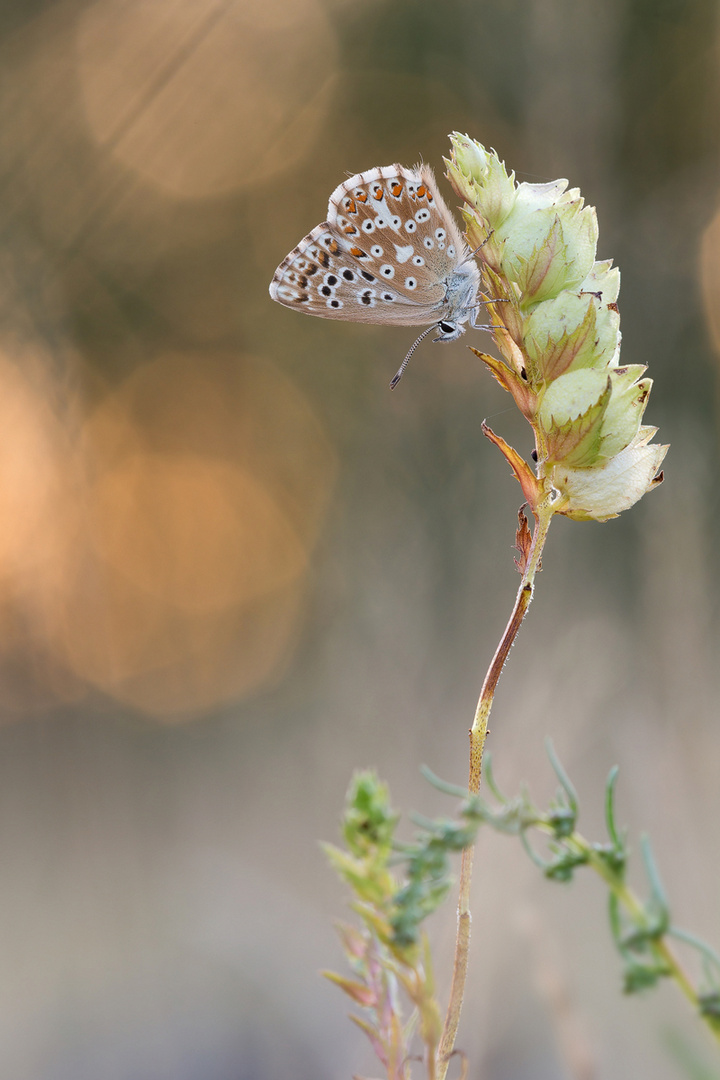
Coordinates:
<point>234,567</point>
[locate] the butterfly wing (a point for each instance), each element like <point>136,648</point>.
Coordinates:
<point>385,254</point>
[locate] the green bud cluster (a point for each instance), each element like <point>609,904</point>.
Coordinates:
<point>395,886</point>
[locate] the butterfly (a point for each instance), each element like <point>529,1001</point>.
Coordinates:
<point>391,253</point>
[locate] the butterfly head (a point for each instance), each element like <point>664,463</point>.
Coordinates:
<point>449,331</point>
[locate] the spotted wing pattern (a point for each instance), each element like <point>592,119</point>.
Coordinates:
<point>387,253</point>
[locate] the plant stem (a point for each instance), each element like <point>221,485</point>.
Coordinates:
<point>478,734</point>
<point>634,906</point>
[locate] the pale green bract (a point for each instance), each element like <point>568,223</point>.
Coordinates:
<point>557,328</point>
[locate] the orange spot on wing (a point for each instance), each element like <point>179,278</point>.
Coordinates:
<point>397,189</point>
<point>351,207</point>
<point>422,191</point>
<point>350,230</point>
<point>361,197</point>
<point>379,193</point>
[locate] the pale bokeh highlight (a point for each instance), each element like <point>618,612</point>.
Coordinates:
<point>201,98</point>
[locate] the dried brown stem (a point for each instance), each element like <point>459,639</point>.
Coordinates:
<point>478,734</point>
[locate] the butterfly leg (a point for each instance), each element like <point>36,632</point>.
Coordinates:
<point>473,318</point>
<point>481,246</point>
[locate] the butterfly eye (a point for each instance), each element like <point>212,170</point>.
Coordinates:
<point>428,242</point>
<point>376,251</point>
<point>422,215</point>
<point>395,222</point>
<point>388,296</point>
<point>440,234</point>
<point>368,225</point>
<point>348,275</point>
<point>410,283</point>
<point>410,226</point>
<point>418,260</point>
<point>387,271</point>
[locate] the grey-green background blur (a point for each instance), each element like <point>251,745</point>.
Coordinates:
<point>234,567</point>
